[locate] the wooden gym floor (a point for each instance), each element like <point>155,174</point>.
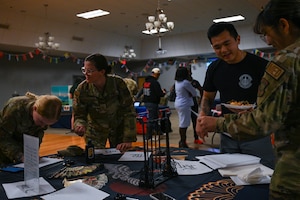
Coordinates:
<point>56,139</point>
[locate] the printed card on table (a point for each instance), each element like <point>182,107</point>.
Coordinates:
<point>134,156</point>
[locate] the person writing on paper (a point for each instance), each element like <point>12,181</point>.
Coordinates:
<point>236,75</point>
<point>103,107</point>
<point>29,114</point>
<point>278,101</point>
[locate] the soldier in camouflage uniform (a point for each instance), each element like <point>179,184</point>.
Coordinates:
<point>132,86</point>
<point>103,106</point>
<point>278,99</point>
<point>29,114</point>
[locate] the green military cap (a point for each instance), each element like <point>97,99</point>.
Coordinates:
<point>72,150</point>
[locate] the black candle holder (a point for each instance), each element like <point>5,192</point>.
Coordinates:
<point>158,166</point>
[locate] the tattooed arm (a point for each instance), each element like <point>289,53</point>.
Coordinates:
<point>206,103</point>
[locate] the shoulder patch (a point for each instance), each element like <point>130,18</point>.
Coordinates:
<point>274,70</point>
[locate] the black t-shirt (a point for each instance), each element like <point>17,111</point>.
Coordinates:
<point>152,90</point>
<point>238,81</point>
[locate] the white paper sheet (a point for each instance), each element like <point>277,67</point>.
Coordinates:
<point>239,170</point>
<point>134,156</point>
<point>77,191</point>
<point>187,167</point>
<point>13,190</point>
<point>31,162</point>
<point>44,161</point>
<point>110,151</point>
<point>238,181</point>
<point>218,161</point>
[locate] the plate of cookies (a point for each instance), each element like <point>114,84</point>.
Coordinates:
<point>240,105</point>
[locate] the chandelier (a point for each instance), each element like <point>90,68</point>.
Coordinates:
<point>158,24</point>
<point>160,51</point>
<point>128,53</point>
<point>46,42</point>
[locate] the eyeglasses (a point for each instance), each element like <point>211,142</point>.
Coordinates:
<point>264,33</point>
<point>87,72</point>
<point>263,37</point>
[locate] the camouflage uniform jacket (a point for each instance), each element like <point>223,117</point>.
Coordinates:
<point>16,120</point>
<point>277,112</point>
<point>132,86</point>
<point>108,114</point>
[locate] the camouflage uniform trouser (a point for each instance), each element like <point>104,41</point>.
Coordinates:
<point>100,138</point>
<point>273,195</point>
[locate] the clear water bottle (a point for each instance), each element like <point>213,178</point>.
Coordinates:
<point>90,152</point>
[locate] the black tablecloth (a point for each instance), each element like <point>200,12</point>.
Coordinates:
<point>205,186</point>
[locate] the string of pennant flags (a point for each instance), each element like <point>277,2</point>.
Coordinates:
<point>37,52</point>
<point>122,63</point>
<point>262,54</point>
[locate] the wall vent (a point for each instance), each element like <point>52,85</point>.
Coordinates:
<point>77,38</point>
<point>4,26</point>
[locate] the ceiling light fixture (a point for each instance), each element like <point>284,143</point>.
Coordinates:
<point>128,53</point>
<point>93,14</point>
<point>158,25</point>
<point>230,19</point>
<point>160,51</point>
<point>46,42</point>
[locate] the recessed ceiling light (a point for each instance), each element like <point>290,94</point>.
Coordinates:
<point>229,19</point>
<point>93,13</point>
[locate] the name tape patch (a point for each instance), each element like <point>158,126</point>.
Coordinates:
<point>274,70</point>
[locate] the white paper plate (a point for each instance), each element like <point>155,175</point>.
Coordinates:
<point>243,107</point>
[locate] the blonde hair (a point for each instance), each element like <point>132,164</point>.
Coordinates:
<point>48,106</point>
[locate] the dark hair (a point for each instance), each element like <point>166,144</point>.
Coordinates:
<point>276,9</point>
<point>217,28</point>
<point>100,62</point>
<point>181,74</point>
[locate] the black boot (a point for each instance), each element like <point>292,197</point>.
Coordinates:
<point>182,142</point>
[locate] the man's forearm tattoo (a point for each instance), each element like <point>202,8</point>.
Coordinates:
<point>205,106</point>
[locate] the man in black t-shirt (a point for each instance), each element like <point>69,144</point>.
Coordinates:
<point>236,74</point>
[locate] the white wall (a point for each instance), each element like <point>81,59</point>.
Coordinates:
<point>25,30</point>
<point>196,43</point>
<point>24,33</point>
